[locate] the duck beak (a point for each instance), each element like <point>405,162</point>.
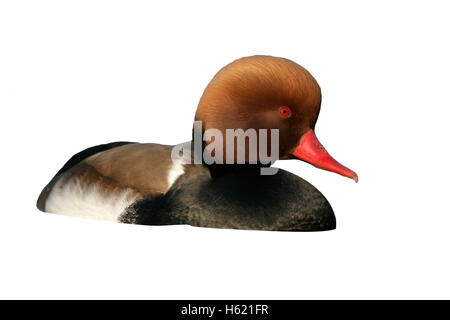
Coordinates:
<point>311,150</point>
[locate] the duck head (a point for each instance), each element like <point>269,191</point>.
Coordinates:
<point>265,92</point>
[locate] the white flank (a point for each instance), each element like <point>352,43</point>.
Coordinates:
<point>175,171</point>
<point>73,200</point>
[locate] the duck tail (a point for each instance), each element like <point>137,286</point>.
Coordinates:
<point>73,161</point>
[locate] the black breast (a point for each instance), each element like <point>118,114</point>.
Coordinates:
<point>239,200</point>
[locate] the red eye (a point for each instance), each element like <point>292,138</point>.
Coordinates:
<point>285,112</point>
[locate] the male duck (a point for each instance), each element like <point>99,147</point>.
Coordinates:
<point>139,183</point>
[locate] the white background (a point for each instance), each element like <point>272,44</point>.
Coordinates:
<point>79,73</point>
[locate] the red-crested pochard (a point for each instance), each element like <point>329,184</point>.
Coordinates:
<point>140,183</point>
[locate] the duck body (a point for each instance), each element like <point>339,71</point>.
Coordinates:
<point>158,193</point>
<point>243,199</point>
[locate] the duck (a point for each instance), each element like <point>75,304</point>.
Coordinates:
<point>142,183</point>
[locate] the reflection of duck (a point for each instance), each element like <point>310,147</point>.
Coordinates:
<point>139,183</point>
